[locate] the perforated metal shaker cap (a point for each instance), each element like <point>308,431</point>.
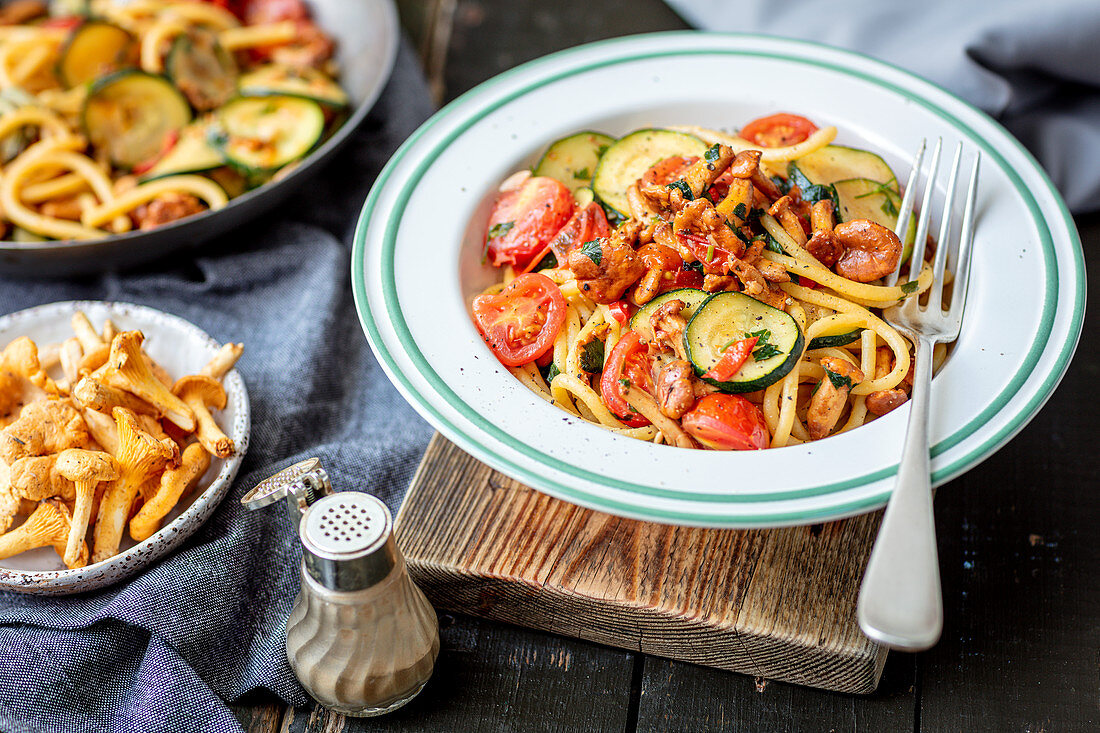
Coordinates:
<point>347,539</point>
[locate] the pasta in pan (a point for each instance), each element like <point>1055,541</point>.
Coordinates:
<point>120,115</point>
<point>688,287</point>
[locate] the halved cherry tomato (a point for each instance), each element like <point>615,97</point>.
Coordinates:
<point>585,225</point>
<point>521,323</point>
<point>63,22</point>
<point>685,277</point>
<point>733,358</point>
<point>620,311</point>
<point>627,360</point>
<point>778,130</point>
<point>727,422</point>
<point>701,247</point>
<point>260,12</point>
<point>525,219</point>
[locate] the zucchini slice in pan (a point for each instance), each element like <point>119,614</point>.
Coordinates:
<point>730,316</point>
<point>261,134</point>
<point>573,160</point>
<point>627,160</point>
<point>130,113</point>
<point>284,81</point>
<point>192,153</point>
<point>95,48</point>
<point>200,68</point>
<point>834,163</point>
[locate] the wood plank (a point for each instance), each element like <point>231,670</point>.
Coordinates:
<point>490,36</point>
<point>256,714</point>
<point>776,603</point>
<point>500,678</point>
<point>1021,569</point>
<point>678,697</point>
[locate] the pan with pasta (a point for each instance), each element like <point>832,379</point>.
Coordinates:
<point>118,118</point>
<point>689,287</point>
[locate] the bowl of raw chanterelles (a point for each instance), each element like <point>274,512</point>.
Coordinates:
<point>121,429</point>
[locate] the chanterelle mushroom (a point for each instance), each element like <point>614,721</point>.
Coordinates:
<point>35,478</point>
<point>86,469</point>
<point>140,455</point>
<point>47,526</point>
<point>127,369</point>
<point>172,484</point>
<point>94,394</point>
<point>43,427</point>
<point>22,378</point>
<point>202,393</point>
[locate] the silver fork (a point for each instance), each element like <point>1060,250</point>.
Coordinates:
<point>900,603</point>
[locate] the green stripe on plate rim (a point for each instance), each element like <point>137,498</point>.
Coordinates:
<point>599,502</point>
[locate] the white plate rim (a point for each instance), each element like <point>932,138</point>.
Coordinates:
<point>171,535</point>
<point>577,60</point>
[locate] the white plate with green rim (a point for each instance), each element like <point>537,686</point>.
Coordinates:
<point>417,264</point>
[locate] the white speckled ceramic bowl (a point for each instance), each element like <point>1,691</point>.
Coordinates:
<point>181,348</point>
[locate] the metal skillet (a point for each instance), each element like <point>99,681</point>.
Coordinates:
<point>366,33</point>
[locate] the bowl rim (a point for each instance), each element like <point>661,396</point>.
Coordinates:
<point>32,580</point>
<point>648,46</point>
<point>316,157</point>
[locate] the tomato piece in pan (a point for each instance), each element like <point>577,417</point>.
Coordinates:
<point>627,361</point>
<point>778,130</point>
<point>585,225</point>
<point>727,422</point>
<point>522,321</point>
<point>525,219</point>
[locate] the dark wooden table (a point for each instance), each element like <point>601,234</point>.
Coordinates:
<point>1019,553</point>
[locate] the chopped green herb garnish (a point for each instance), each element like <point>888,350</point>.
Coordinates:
<point>909,287</point>
<point>771,244</point>
<point>499,230</point>
<point>549,262</point>
<point>683,188</point>
<point>592,251</point>
<point>582,174</point>
<point>592,356</point>
<point>614,218</point>
<point>551,372</point>
<point>762,336</point>
<point>601,150</point>
<point>766,351</point>
<point>712,153</point>
<point>625,382</point>
<point>888,207</point>
<point>839,381</point>
<point>741,211</point>
<point>697,266</point>
<point>710,252</point>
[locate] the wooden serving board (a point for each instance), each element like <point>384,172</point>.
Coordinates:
<point>778,604</point>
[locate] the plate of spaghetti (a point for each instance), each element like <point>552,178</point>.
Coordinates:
<point>130,128</point>
<point>664,301</point>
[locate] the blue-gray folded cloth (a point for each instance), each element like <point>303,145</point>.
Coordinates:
<point>165,650</point>
<point>1035,67</point>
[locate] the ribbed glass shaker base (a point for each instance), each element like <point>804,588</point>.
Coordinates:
<point>376,711</point>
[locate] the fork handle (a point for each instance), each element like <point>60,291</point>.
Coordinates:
<point>900,602</point>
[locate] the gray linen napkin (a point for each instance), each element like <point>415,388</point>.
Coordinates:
<point>163,651</point>
<point>1032,66</point>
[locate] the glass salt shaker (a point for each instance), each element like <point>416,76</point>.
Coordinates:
<point>361,638</point>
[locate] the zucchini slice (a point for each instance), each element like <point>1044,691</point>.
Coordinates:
<point>573,160</point>
<point>834,163</point>
<point>627,160</point>
<point>284,81</point>
<point>192,153</point>
<point>642,320</point>
<point>200,68</point>
<point>583,196</point>
<point>730,316</point>
<point>95,48</point>
<point>258,135</point>
<point>840,339</point>
<point>861,198</point>
<point>130,113</point>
